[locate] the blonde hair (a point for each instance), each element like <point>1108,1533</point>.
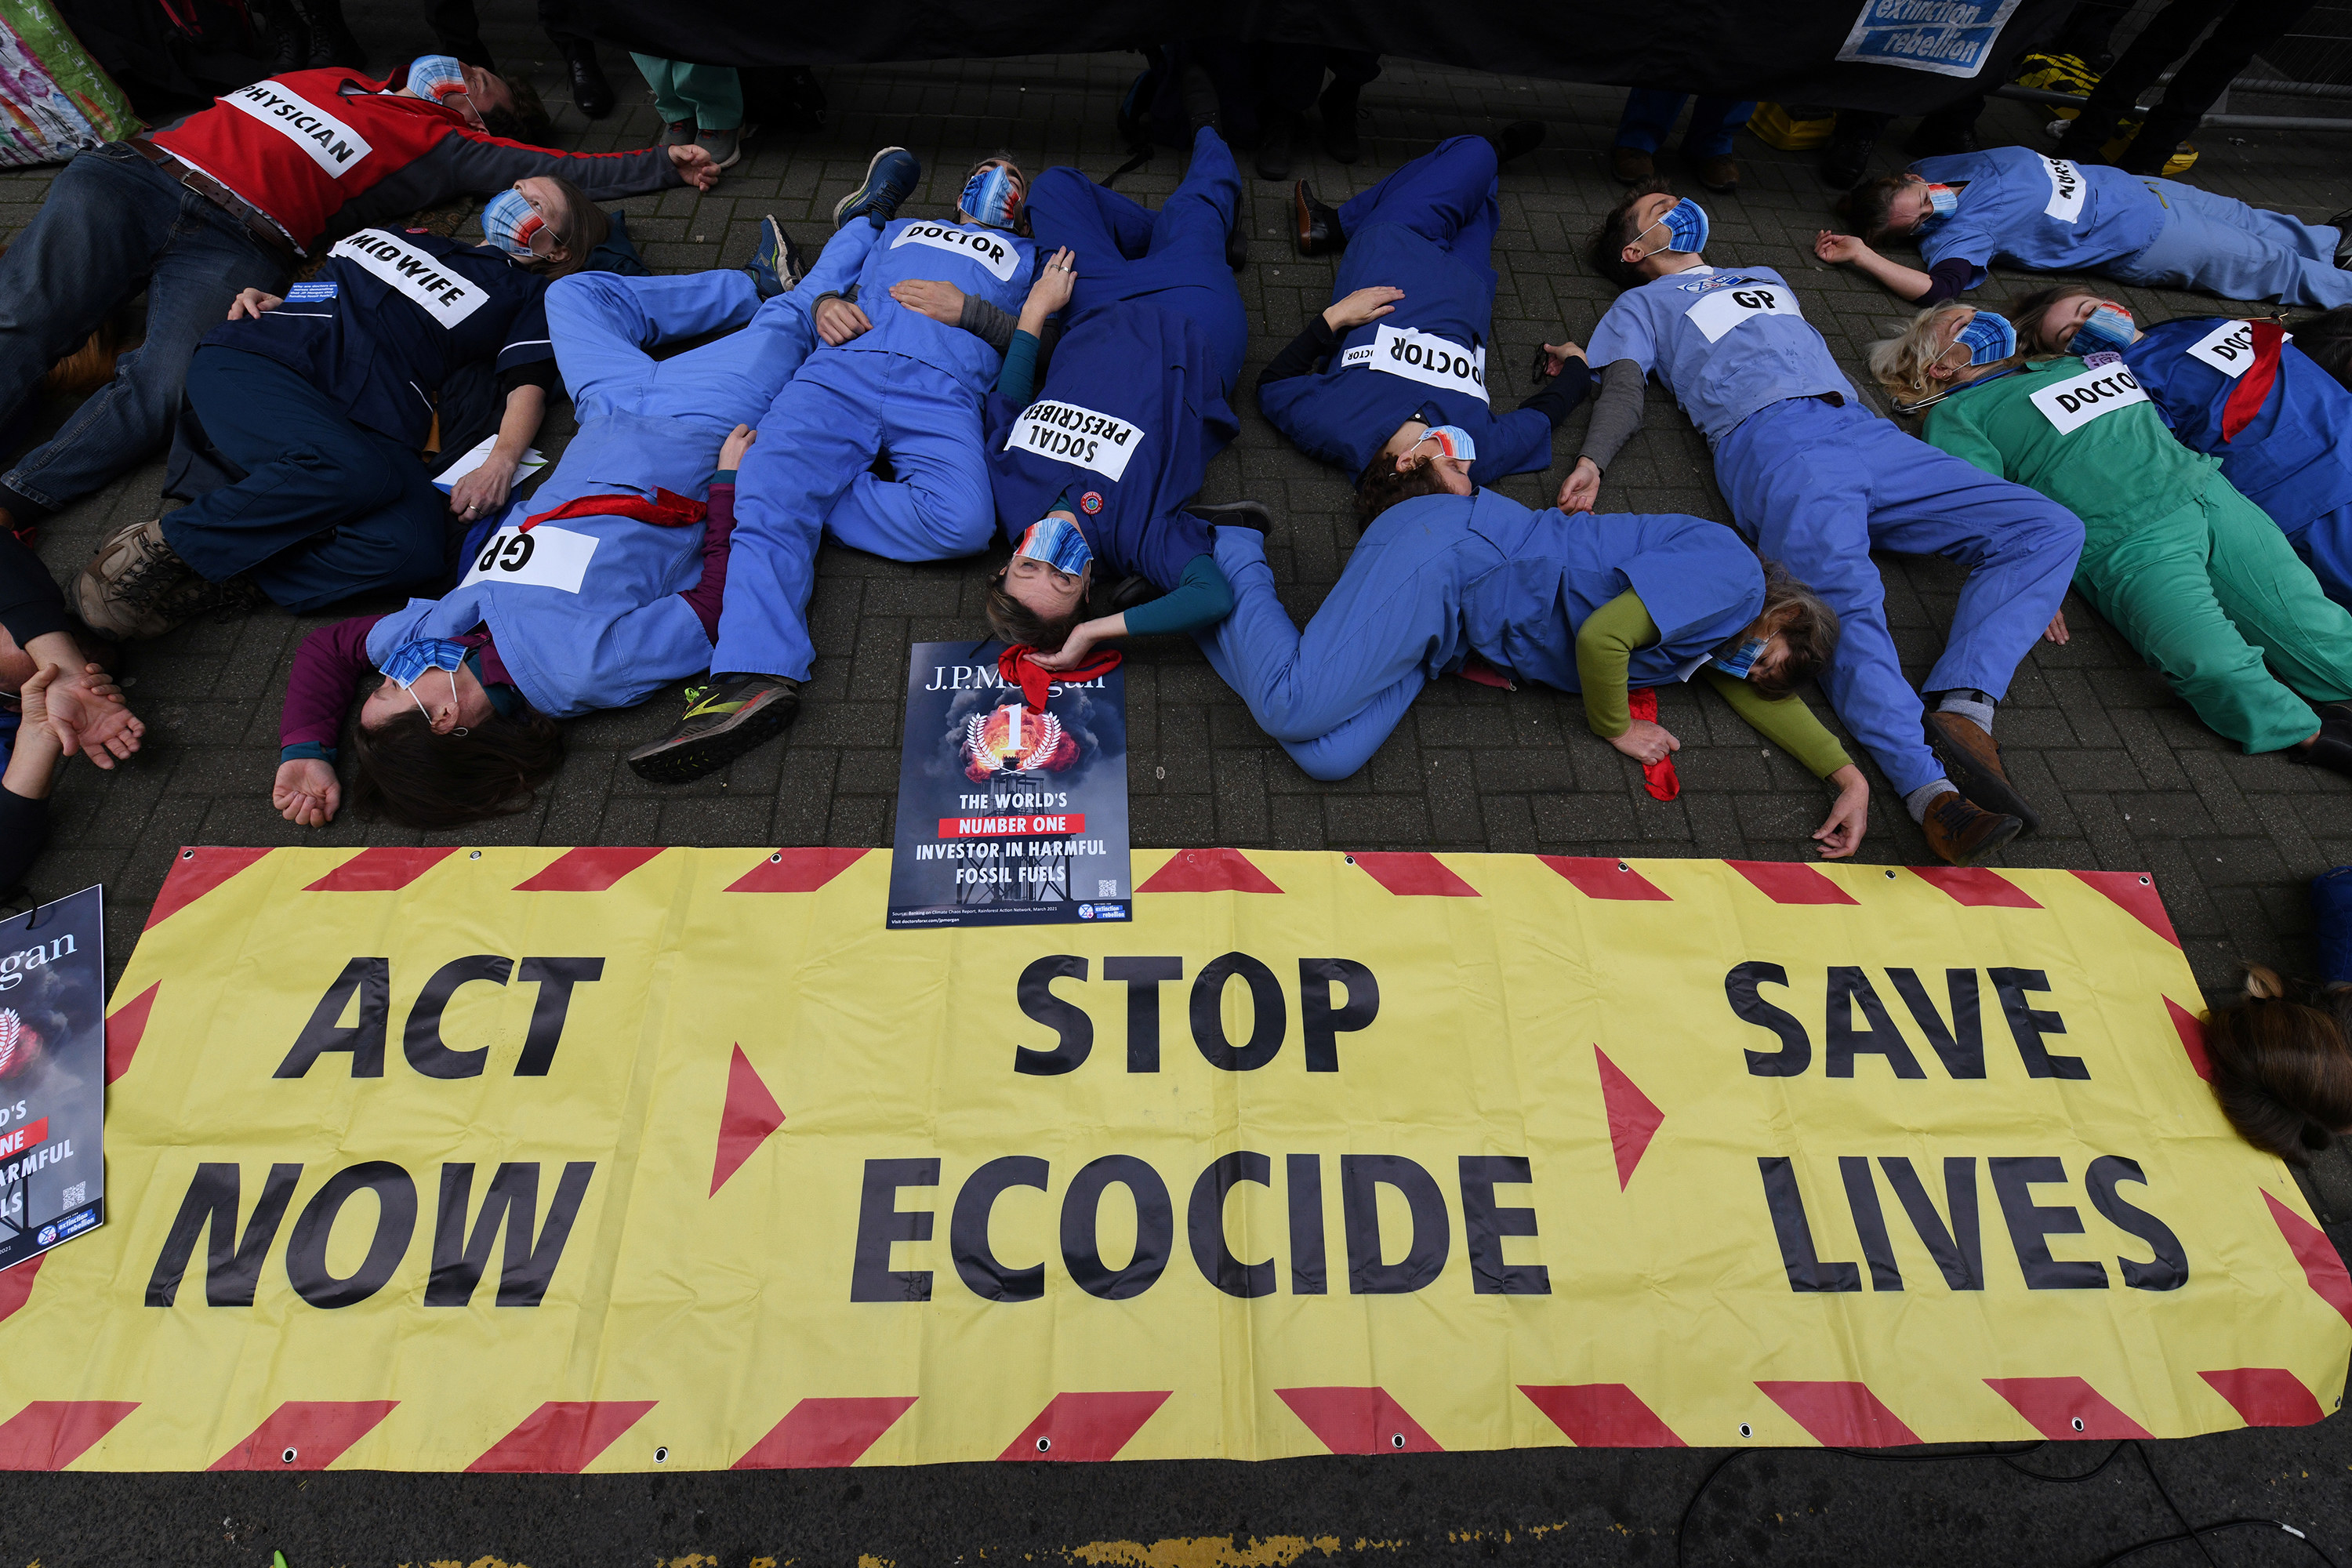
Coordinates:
<point>1901,363</point>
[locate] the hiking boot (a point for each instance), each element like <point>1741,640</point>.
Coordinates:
<point>1719,175</point>
<point>591,93</point>
<point>777,264</point>
<point>676,133</point>
<point>1201,106</point>
<point>1318,225</point>
<point>1236,514</point>
<point>1519,136</point>
<point>2331,749</point>
<point>1630,165</point>
<point>725,147</point>
<point>1338,107</point>
<point>723,721</point>
<point>1274,144</point>
<point>889,179</point>
<point>134,570</point>
<point>1972,759</point>
<point>1963,835</point>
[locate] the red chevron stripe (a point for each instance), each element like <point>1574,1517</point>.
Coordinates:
<point>2322,1266</point>
<point>562,1437</point>
<point>16,1284</point>
<point>1359,1421</point>
<point>1975,887</point>
<point>1084,1427</point>
<point>1786,882</point>
<point>125,1028</point>
<point>195,871</point>
<point>2267,1395</point>
<point>2134,893</point>
<point>2191,1030</point>
<point>1615,879</point>
<point>588,870</point>
<point>1840,1415</point>
<point>1209,871</point>
<point>795,871</point>
<point>1414,875</point>
<point>1603,1415</point>
<point>825,1433</point>
<point>51,1434</point>
<point>383,870</point>
<point>2054,1404</point>
<point>316,1432</point>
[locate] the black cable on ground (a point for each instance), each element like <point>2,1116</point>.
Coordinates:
<point>2193,1533</point>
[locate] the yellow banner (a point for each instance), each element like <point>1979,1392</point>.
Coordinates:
<point>619,1159</point>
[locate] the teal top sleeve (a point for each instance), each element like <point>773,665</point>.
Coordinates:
<point>1201,597</point>
<point>1018,380</point>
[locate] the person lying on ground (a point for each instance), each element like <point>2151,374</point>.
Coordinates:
<point>1588,603</point>
<point>888,379</point>
<point>302,436</point>
<point>1095,470</point>
<point>2192,573</point>
<point>1402,345</point>
<point>1968,210</point>
<point>1816,481</point>
<point>235,197</point>
<point>2244,392</point>
<point>2281,1066</point>
<point>608,589</point>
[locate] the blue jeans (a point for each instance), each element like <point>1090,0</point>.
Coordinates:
<point>1650,115</point>
<point>326,510</point>
<point>113,224</point>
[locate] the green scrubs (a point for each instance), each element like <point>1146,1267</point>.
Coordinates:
<point>2194,574</point>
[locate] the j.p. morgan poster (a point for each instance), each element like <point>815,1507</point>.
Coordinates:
<point>52,1074</point>
<point>1009,814</point>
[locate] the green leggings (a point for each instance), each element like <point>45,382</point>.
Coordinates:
<point>2209,593</point>
<point>711,96</point>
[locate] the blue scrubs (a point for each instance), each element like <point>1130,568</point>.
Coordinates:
<point>912,388</point>
<point>1438,578</point>
<point>1174,258</point>
<point>2051,215</point>
<point>587,614</point>
<point>1818,483</point>
<point>2294,459</point>
<point>1135,401</point>
<point>1428,229</point>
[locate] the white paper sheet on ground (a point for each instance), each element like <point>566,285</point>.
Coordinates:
<point>532,462</point>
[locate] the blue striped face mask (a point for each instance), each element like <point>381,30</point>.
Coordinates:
<point>991,198</point>
<point>2106,331</point>
<point>408,662</point>
<point>1740,659</point>
<point>1056,542</point>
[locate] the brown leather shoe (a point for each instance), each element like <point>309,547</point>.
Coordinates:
<point>119,592</point>
<point>1961,834</point>
<point>1318,225</point>
<point>1630,165</point>
<point>1721,174</point>
<point>1972,758</point>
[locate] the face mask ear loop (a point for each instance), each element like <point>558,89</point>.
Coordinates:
<point>459,729</point>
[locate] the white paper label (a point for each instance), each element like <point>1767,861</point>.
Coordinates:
<point>1421,356</point>
<point>545,557</point>
<point>534,459</point>
<point>447,296</point>
<point>1079,437</point>
<point>2071,404</point>
<point>327,140</point>
<point>1721,309</point>
<point>2067,189</point>
<point>2228,348</point>
<point>974,243</point>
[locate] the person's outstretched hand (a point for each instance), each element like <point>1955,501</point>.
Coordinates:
<point>1832,246</point>
<point>941,301</point>
<point>485,489</point>
<point>2056,631</point>
<point>251,303</point>
<point>695,165</point>
<point>1552,358</point>
<point>1581,488</point>
<point>1362,307</point>
<point>738,441</point>
<point>1841,833</point>
<point>1054,283</point>
<point>838,320</point>
<point>307,791</point>
<point>86,712</point>
<point>1646,742</point>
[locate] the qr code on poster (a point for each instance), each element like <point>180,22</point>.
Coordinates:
<point>77,1192</point>
<point>1107,889</point>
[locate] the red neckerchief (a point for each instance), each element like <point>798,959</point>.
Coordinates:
<point>1015,665</point>
<point>667,509</point>
<point>2254,385</point>
<point>1659,777</point>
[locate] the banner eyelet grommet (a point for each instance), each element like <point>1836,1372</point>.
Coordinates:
<point>661,1454</point>
<point>1890,876</point>
<point>1623,867</point>
<point>1745,1430</point>
<point>2078,1423</point>
<point>1045,1445</point>
<point>187,854</point>
<point>287,1457</point>
<point>1396,1439</point>
<point>777,858</point>
<point>474,855</point>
